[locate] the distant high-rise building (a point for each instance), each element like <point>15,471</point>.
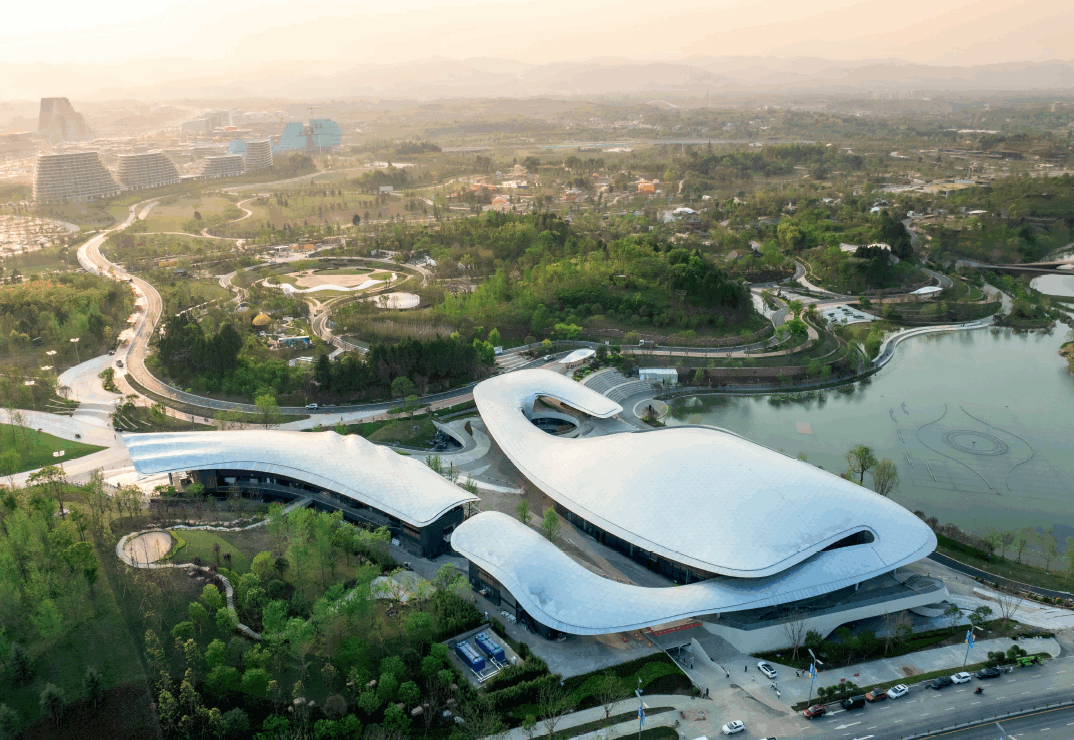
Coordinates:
<point>146,170</point>
<point>319,135</point>
<point>258,155</point>
<point>58,121</point>
<point>223,165</point>
<point>72,177</point>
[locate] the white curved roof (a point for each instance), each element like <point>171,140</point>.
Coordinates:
<point>350,465</point>
<point>562,594</point>
<point>699,496</point>
<point>577,356</point>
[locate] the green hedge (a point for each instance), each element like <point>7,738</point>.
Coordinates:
<point>584,688</point>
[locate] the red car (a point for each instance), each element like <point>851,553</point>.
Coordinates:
<point>814,711</point>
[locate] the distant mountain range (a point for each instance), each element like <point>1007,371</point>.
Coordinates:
<point>438,77</point>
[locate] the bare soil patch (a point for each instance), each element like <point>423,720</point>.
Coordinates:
<point>149,547</point>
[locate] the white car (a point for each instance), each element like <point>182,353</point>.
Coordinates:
<point>766,669</point>
<point>896,691</point>
<point>732,728</point>
<point>961,677</point>
<point>311,406</point>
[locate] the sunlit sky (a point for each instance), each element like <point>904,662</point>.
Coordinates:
<point>960,32</point>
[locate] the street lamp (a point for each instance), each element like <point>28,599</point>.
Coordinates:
<point>75,342</point>
<point>30,384</point>
<point>641,708</point>
<point>812,674</point>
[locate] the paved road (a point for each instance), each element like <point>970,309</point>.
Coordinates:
<point>1052,724</point>
<point>924,710</point>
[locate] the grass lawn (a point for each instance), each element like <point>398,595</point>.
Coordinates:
<point>141,419</point>
<point>403,432</point>
<point>1034,576</point>
<point>171,216</point>
<point>34,449</point>
<point>200,544</point>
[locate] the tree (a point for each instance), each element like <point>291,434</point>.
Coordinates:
<point>1009,604</point>
<point>262,565</point>
<point>268,409</point>
<point>550,525</point>
<point>212,598</point>
<point>885,477</point>
<point>215,653</point>
<point>9,722</point>
<point>1021,539</point>
<point>403,387</point>
<point>255,682</point>
<point>897,629</point>
<point>1006,539</point>
<point>610,691</point>
<point>794,631</point>
<point>522,510</point>
<point>860,459</point>
<point>553,702</point>
<point>409,693</point>
<point>1048,546</point>
<point>979,616</point>
<point>421,627</point>
<point>356,220</point>
<point>795,307</point>
<point>952,614</point>
<point>93,686</point>
<point>52,702</point>
<point>21,670</point>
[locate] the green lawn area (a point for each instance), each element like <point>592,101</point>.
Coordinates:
<point>34,449</point>
<point>141,420</point>
<point>172,216</point>
<point>402,431</point>
<point>200,543</point>
<point>1034,576</point>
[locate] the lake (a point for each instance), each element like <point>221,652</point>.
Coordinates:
<point>979,423</point>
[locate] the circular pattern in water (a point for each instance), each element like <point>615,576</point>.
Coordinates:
<point>975,443</point>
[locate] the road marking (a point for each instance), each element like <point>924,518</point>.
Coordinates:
<point>1011,680</point>
<point>1025,692</point>
<point>950,709</point>
<point>1045,729</point>
<point>902,720</point>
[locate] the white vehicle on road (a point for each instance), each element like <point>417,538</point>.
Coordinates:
<point>961,677</point>
<point>896,691</point>
<point>732,728</point>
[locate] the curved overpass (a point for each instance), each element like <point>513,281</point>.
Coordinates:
<point>702,499</point>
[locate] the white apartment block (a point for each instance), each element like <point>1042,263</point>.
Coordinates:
<point>258,155</point>
<point>223,165</point>
<point>145,170</point>
<point>72,177</point>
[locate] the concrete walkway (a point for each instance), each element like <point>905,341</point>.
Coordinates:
<point>664,719</point>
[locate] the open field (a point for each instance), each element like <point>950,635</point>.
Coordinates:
<point>173,215</point>
<point>34,449</point>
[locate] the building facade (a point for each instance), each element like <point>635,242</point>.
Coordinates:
<point>258,155</point>
<point>72,177</point>
<point>58,121</point>
<point>223,165</point>
<point>145,170</point>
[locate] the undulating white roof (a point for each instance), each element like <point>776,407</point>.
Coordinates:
<point>560,593</point>
<point>699,496</point>
<point>350,465</point>
<point>577,356</point>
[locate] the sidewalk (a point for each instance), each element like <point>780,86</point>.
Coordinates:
<point>664,719</point>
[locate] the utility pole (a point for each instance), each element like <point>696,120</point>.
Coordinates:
<point>969,644</point>
<point>641,709</point>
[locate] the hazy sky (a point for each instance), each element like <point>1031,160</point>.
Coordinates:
<point>535,31</point>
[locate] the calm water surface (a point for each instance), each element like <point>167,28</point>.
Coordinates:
<point>980,424</point>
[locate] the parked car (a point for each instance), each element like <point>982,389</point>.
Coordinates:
<point>311,406</point>
<point>896,691</point>
<point>853,702</point>
<point>962,677</point>
<point>876,695</point>
<point>941,682</point>
<point>119,363</point>
<point>817,710</point>
<point>766,669</point>
<point>988,673</point>
<point>732,728</point>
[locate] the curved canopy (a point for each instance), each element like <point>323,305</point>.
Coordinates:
<point>699,496</point>
<point>565,596</point>
<point>350,465</point>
